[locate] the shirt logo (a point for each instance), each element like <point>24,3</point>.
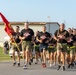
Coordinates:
<point>26,34</point>
<point>43,37</point>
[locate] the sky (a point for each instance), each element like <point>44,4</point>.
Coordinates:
<point>38,11</point>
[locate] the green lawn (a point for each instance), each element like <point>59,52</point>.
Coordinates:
<point>3,56</point>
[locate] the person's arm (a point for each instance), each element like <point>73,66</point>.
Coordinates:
<point>22,38</point>
<point>32,34</point>
<point>48,38</point>
<point>37,38</point>
<point>67,36</point>
<point>21,35</point>
<point>55,36</point>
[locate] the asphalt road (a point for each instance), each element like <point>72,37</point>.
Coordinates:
<point>6,68</point>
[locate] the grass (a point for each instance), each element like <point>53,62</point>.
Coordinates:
<point>4,57</point>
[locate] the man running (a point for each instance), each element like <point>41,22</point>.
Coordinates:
<point>16,45</point>
<point>43,39</point>
<point>74,43</point>
<point>70,49</point>
<point>52,50</point>
<point>61,36</point>
<point>36,47</point>
<point>27,36</point>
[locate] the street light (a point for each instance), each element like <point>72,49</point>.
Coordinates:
<point>49,22</point>
<point>49,18</point>
<point>64,21</point>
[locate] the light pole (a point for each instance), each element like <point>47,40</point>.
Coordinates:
<point>64,21</point>
<point>49,18</point>
<point>49,23</point>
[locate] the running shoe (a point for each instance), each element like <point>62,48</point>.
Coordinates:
<point>25,67</point>
<point>63,68</point>
<point>18,64</point>
<point>14,63</point>
<point>58,67</point>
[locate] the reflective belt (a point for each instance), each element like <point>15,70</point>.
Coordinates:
<point>64,43</point>
<point>14,43</point>
<point>51,46</point>
<point>36,45</point>
<point>70,47</point>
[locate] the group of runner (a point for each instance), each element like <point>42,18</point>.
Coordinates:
<point>60,48</point>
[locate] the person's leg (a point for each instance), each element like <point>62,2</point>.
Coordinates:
<point>36,57</point>
<point>31,53</point>
<point>24,44</point>
<point>75,53</point>
<point>44,57</point>
<point>49,51</point>
<point>27,56</point>
<point>24,50</point>
<point>68,60</point>
<point>51,58</point>
<point>24,55</point>
<point>55,57</point>
<point>13,55</point>
<point>63,60</point>
<point>30,57</point>
<point>64,50</point>
<point>14,58</point>
<point>30,48</point>
<point>26,60</point>
<point>28,52</point>
<point>75,57</point>
<point>67,56</point>
<point>59,55</point>
<point>71,60</point>
<point>18,58</point>
<point>72,57</point>
<point>41,53</point>
<point>18,52</point>
<point>36,53</point>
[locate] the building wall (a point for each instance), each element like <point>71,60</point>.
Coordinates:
<point>3,34</point>
<point>52,28</point>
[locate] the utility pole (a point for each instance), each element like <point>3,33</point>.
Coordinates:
<point>49,23</point>
<point>64,21</point>
<point>49,18</point>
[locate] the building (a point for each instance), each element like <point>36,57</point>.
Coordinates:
<point>52,27</point>
<point>36,26</point>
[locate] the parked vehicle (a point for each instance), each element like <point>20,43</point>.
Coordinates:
<point>11,53</point>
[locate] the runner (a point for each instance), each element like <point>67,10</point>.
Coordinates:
<point>43,39</point>
<point>36,47</point>
<point>61,37</point>
<point>70,49</point>
<point>74,43</point>
<point>52,50</point>
<point>16,45</point>
<point>27,36</point>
